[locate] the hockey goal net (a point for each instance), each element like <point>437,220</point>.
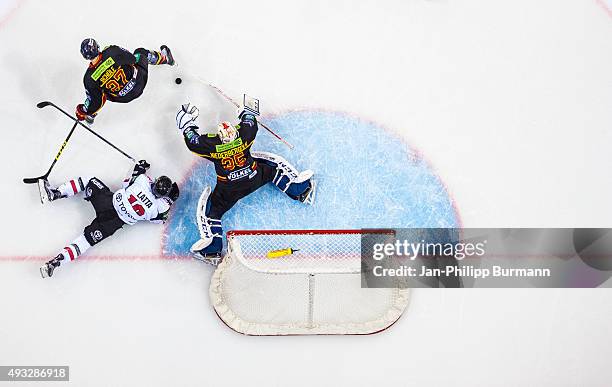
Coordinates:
<point>287,282</point>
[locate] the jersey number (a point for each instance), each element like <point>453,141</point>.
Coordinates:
<point>230,163</point>
<point>118,81</point>
<point>136,207</point>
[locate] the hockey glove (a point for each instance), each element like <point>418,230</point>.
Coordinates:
<point>245,111</point>
<point>174,192</point>
<point>141,168</point>
<point>81,114</point>
<point>186,116</point>
<point>161,218</point>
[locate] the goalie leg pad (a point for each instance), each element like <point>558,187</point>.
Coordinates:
<point>211,232</point>
<point>296,185</point>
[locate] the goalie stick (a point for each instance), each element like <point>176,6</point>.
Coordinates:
<point>230,100</point>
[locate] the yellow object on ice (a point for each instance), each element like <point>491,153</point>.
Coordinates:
<point>280,253</point>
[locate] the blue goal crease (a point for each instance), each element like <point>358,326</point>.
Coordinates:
<point>366,178</point>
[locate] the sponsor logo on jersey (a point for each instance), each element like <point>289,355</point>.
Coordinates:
<point>239,174</point>
<point>229,145</point>
<point>102,68</point>
<point>121,209</point>
<point>231,152</point>
<point>127,88</point>
<point>124,212</point>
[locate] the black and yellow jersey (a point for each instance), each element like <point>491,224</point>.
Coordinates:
<point>109,75</point>
<point>233,161</point>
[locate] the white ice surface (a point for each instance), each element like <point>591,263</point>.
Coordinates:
<point>509,100</point>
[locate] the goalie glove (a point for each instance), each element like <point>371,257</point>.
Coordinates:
<point>186,117</point>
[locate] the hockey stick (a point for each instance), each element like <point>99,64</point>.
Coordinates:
<point>260,123</point>
<point>228,98</point>
<point>43,104</point>
<point>32,180</point>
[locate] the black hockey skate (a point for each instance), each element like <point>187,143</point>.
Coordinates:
<point>47,269</point>
<point>168,54</point>
<point>47,194</point>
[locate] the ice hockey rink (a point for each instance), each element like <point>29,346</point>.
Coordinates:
<point>501,109</point>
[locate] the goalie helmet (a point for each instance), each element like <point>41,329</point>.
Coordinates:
<point>227,132</point>
<point>89,48</point>
<point>161,186</point>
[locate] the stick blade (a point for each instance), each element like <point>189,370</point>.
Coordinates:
<point>32,180</point>
<point>43,104</point>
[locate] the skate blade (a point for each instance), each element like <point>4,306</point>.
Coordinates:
<point>44,198</point>
<point>43,272</point>
<point>310,198</point>
<point>210,260</point>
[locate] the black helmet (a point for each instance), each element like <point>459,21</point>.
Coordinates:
<point>89,48</point>
<point>161,186</point>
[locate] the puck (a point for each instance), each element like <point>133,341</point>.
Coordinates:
<point>178,81</point>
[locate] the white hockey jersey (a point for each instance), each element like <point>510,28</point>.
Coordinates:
<point>136,202</point>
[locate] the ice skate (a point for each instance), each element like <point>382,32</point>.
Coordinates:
<point>47,269</point>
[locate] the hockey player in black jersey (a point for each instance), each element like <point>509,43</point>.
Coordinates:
<point>239,173</point>
<point>115,74</point>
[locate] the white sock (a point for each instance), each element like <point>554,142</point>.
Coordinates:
<point>73,187</point>
<point>75,249</point>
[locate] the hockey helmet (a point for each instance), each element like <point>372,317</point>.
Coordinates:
<point>89,48</point>
<point>227,132</point>
<point>161,186</point>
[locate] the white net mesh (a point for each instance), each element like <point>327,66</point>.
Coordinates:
<point>265,287</point>
<point>311,252</point>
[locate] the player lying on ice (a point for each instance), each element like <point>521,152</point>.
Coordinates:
<point>240,172</point>
<point>115,74</point>
<point>140,198</point>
